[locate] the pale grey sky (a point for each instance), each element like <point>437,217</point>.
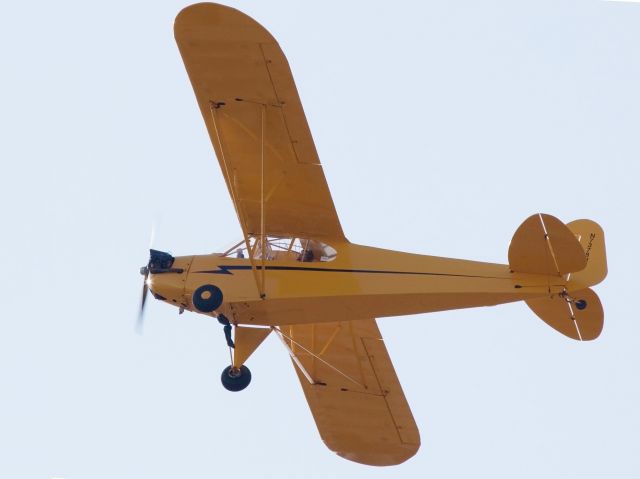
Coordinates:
<point>441,126</point>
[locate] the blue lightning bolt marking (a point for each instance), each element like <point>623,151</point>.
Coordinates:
<point>226,269</point>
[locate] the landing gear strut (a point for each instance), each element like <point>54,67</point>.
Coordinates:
<point>222,319</point>
<point>237,376</point>
<point>235,379</point>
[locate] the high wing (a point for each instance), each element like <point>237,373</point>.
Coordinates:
<point>353,391</point>
<point>256,123</point>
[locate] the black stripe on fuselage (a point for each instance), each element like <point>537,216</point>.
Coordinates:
<point>227,269</point>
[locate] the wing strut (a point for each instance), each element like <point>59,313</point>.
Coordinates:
<point>213,106</point>
<point>312,354</point>
<point>262,235</point>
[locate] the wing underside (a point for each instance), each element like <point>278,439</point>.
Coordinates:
<point>353,391</point>
<point>255,120</point>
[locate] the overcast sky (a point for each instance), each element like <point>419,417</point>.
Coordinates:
<point>441,126</point>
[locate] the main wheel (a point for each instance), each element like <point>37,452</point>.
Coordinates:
<point>234,379</point>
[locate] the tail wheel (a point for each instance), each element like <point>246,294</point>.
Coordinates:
<point>581,304</point>
<point>235,379</point>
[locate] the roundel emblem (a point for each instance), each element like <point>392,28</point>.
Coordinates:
<point>207,298</point>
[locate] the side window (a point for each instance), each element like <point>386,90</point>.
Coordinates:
<point>282,249</point>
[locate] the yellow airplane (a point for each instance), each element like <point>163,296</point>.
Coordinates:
<point>295,274</point>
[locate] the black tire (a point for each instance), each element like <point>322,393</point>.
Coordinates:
<point>235,379</point>
<point>207,298</point>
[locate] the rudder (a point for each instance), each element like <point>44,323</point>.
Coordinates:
<point>591,238</point>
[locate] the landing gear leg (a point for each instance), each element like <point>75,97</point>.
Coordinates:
<point>222,319</point>
<point>237,376</point>
<point>233,378</point>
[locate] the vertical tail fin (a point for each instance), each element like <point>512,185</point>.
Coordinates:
<point>591,238</point>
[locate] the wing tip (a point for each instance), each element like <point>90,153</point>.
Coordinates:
<point>391,456</point>
<point>230,22</point>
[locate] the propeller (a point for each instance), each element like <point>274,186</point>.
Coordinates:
<point>160,262</point>
<point>145,286</point>
<point>145,289</point>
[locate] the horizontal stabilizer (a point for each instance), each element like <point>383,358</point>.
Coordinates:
<point>578,317</point>
<point>544,245</point>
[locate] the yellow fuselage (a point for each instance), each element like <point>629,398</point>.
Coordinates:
<point>361,282</point>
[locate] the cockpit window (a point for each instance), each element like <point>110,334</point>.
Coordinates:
<point>282,249</point>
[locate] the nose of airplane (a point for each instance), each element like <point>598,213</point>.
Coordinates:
<point>165,277</point>
<point>166,286</point>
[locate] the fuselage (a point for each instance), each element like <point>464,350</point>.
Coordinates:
<point>360,282</point>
